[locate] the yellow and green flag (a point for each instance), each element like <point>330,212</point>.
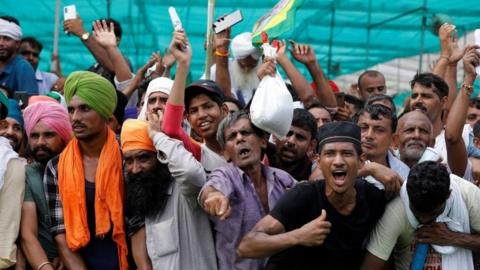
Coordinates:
<point>276,22</point>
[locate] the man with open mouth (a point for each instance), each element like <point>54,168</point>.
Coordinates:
<point>321,224</point>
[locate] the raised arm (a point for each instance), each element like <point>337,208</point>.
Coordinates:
<point>75,26</point>
<point>444,33</point>
<point>222,74</point>
<point>299,83</point>
<point>456,150</point>
<point>308,58</point>
<point>105,37</point>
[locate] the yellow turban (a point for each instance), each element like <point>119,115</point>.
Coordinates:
<point>134,136</point>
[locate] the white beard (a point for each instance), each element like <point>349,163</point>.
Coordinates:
<point>246,82</point>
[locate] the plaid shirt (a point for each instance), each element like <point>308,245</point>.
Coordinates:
<point>54,202</point>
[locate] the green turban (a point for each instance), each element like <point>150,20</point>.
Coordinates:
<point>93,89</point>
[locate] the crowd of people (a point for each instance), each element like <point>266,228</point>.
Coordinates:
<point>107,169</point>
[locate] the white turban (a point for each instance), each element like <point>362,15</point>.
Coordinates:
<point>161,84</point>
<point>10,29</point>
<point>242,47</point>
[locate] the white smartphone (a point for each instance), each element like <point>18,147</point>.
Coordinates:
<point>177,24</point>
<point>69,12</point>
<point>477,42</point>
<point>227,21</point>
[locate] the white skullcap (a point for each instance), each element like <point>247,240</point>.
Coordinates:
<point>242,47</point>
<point>10,29</point>
<point>160,84</point>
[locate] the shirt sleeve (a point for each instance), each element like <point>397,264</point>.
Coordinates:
<point>11,198</point>
<point>172,127</point>
<point>220,180</point>
<point>28,193</point>
<point>471,196</point>
<point>55,207</point>
<point>390,226</point>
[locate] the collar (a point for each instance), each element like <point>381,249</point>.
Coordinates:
<point>9,67</point>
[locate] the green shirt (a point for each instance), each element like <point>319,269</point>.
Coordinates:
<point>34,191</point>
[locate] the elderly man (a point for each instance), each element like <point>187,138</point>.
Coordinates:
<point>48,129</point>
<point>163,182</point>
<point>321,224</point>
<point>84,185</point>
<point>12,186</point>
<point>434,208</point>
<point>16,73</point>
<point>12,127</point>
<point>242,192</point>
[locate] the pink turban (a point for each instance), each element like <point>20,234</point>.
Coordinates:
<point>52,114</point>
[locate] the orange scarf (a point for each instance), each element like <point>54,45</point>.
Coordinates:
<point>108,196</point>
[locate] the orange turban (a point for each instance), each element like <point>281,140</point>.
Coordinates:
<point>134,136</point>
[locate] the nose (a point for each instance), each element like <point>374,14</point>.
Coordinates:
<point>202,113</point>
<point>338,160</point>
<point>41,140</point>
<point>75,115</point>
<point>368,133</point>
<point>136,167</point>
<point>10,130</point>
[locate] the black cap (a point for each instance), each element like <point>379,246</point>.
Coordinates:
<point>207,87</point>
<point>339,132</point>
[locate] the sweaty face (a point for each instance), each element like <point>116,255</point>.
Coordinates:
<point>376,136</point>
<point>13,131</point>
<point>156,102</point>
<point>339,163</point>
<point>137,161</point>
<point>86,122</point>
<point>295,147</point>
<point>44,143</point>
<point>414,135</point>
<point>30,54</point>
<point>8,47</point>
<point>242,146</point>
<point>473,115</point>
<point>204,115</point>
<point>372,85</point>
<point>321,116</point>
<point>425,99</point>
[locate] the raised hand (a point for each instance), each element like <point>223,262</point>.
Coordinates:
<point>303,53</point>
<point>104,35</point>
<point>217,205</point>
<point>471,59</point>
<point>269,67</point>
<point>74,26</point>
<point>180,47</point>
<point>155,120</point>
<point>314,232</point>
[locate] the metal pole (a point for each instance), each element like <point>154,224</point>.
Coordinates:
<point>367,60</point>
<point>330,41</point>
<point>109,4</point>
<point>209,37</point>
<point>53,63</point>
<point>422,35</point>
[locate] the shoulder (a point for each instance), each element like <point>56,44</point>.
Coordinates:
<point>282,176</point>
<point>369,190</point>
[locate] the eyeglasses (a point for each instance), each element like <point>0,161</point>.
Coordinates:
<point>25,53</point>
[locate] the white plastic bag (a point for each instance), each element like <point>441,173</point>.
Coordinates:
<point>272,105</point>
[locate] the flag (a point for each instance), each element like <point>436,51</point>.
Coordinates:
<point>276,22</point>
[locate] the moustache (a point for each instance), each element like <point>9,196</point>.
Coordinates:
<point>416,142</point>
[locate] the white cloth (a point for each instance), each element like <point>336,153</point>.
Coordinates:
<point>120,86</point>
<point>455,215</point>
<point>6,153</point>
<point>10,29</point>
<point>242,46</point>
<point>161,84</point>
<point>441,148</point>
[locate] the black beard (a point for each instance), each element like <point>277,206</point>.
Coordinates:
<point>146,192</point>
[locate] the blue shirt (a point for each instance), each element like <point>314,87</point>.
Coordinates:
<point>19,75</point>
<point>45,81</point>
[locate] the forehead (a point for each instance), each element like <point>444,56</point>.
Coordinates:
<point>11,121</point>
<point>240,124</point>
<point>316,111</point>
<point>415,119</point>
<point>300,130</point>
<point>370,81</point>
<point>137,153</point>
<point>338,146</point>
<point>384,102</point>
<point>158,94</point>
<point>40,127</point>
<point>76,102</point>
<point>26,45</point>
<point>200,99</point>
<point>365,118</point>
<point>422,89</point>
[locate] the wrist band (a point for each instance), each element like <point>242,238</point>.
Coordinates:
<point>468,89</point>
<point>43,264</point>
<point>221,54</point>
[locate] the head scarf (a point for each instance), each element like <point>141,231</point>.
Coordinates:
<point>58,97</point>
<point>10,29</point>
<point>94,90</point>
<point>14,111</point>
<point>134,136</point>
<point>242,47</point>
<point>161,84</point>
<point>52,114</point>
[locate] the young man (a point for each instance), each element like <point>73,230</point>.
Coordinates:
<point>370,83</point>
<point>239,194</point>
<point>321,224</point>
<point>178,233</point>
<point>84,185</point>
<point>436,208</point>
<point>12,127</point>
<point>49,131</point>
<point>12,186</point>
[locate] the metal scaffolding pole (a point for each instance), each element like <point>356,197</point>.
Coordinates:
<point>330,41</point>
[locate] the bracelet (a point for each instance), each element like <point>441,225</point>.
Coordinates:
<point>468,88</point>
<point>221,54</point>
<point>443,56</point>
<point>43,264</point>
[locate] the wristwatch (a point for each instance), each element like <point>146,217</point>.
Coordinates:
<point>85,36</point>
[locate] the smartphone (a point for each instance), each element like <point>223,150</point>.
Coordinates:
<point>227,21</point>
<point>22,98</point>
<point>477,42</point>
<point>177,24</point>
<point>69,12</point>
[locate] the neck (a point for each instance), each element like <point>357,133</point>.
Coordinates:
<point>255,173</point>
<point>381,160</point>
<point>409,162</point>
<point>344,203</point>
<point>437,127</point>
<point>93,147</point>
<point>6,61</point>
<point>213,145</point>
